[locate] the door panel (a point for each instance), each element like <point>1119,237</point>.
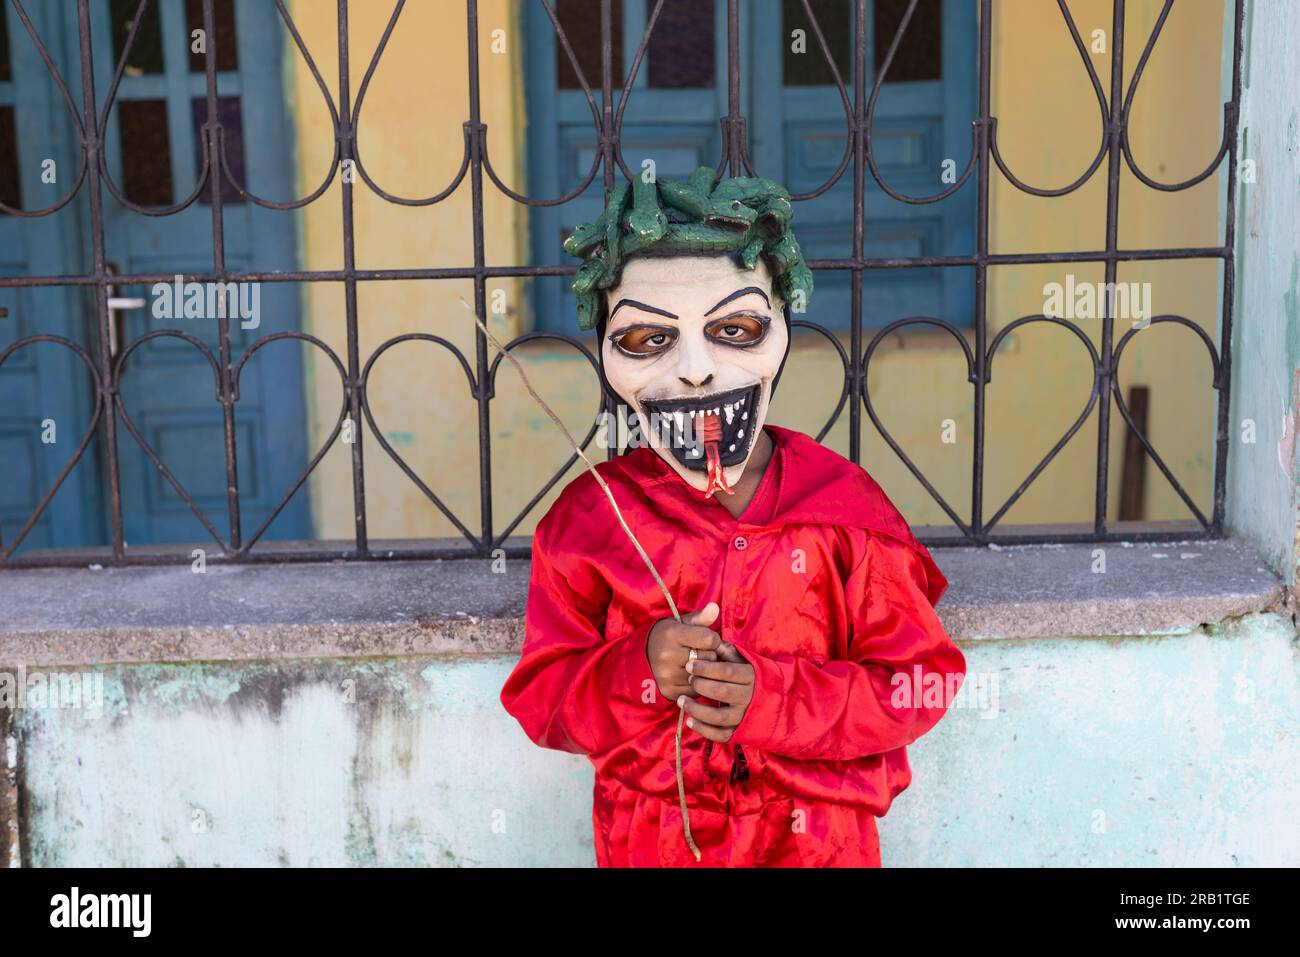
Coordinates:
<point>922,118</point>
<point>153,157</point>
<point>797,133</point>
<point>41,383</point>
<point>167,384</point>
<point>671,117</point>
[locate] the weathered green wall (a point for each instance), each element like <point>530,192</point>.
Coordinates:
<point>1166,751</point>
<point>1263,474</point>
<point>1160,751</point>
<point>391,762</point>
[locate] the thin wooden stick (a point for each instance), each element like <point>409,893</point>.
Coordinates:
<point>654,572</point>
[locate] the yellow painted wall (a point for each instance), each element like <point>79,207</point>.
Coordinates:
<point>1049,130</point>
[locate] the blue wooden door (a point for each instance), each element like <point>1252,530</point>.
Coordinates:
<point>671,118</point>
<point>922,120</point>
<point>46,396</point>
<point>796,128</point>
<point>153,145</point>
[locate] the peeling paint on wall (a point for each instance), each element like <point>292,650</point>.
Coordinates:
<point>10,848</point>
<point>1167,752</point>
<point>407,762</point>
<point>1171,750</point>
<point>1262,475</point>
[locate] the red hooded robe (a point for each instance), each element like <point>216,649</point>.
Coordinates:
<point>822,588</point>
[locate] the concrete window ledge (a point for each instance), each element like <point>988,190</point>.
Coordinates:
<point>458,608</point>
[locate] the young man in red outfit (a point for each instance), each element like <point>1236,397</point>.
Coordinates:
<point>813,650</point>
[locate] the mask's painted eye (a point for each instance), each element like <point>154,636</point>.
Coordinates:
<point>742,329</point>
<point>645,340</point>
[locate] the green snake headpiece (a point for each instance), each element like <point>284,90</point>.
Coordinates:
<point>741,215</point>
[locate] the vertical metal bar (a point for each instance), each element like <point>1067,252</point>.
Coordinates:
<point>981,266</point>
<point>1229,282</point>
<point>607,139</point>
<point>347,145</point>
<point>93,144</point>
<point>213,127</point>
<point>480,276</point>
<point>1107,371</point>
<point>733,125</point>
<point>857,374</point>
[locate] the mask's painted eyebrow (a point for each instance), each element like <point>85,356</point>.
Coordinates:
<point>737,294</point>
<point>642,306</point>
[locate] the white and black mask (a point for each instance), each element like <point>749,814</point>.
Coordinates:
<point>693,344</point>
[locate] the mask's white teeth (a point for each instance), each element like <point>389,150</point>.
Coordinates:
<point>741,435</point>
<point>730,410</point>
<point>692,413</point>
<point>732,449</point>
<point>744,415</point>
<point>692,453</point>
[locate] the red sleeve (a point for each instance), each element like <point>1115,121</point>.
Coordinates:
<point>576,689</point>
<point>895,684</point>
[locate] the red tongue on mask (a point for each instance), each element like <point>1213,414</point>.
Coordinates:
<point>712,435</point>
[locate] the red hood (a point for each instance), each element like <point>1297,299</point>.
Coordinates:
<point>818,487</point>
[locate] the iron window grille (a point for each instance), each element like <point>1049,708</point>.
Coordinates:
<point>858,94</point>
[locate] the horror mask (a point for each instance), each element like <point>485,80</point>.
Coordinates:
<point>689,286</point>
<point>693,345</point>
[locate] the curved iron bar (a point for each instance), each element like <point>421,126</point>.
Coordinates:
<point>256,200</point>
<point>356,125</point>
<point>870,115</point>
<point>80,450</point>
<point>573,61</point>
<point>848,116</point>
<point>526,200</point>
<point>325,446</point>
<point>383,442</point>
<point>724,155</point>
<point>595,423</point>
<point>135,433</point>
<point>1078,422</point>
<point>62,87</point>
<point>1123,408</point>
<point>111,97</point>
<point>884,432</point>
<point>745,159</point>
<point>844,359</point>
<point>55,75</point>
<point>58,204</point>
<point>595,116</point>
<point>1229,123</point>
<point>627,88</point>
<point>187,202</point>
<point>334,116</point>
<point>1229,119</point>
<point>1105,122</point>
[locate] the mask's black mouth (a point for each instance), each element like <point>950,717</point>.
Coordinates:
<point>678,424</point>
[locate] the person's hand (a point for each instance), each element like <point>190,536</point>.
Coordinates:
<point>669,646</point>
<point>729,680</point>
